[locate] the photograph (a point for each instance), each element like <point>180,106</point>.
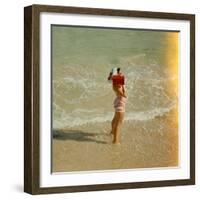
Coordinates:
<point>114,98</point>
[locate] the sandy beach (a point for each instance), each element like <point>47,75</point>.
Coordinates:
<point>144,144</point>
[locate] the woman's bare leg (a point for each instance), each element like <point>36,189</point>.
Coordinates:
<point>113,124</point>
<point>119,116</point>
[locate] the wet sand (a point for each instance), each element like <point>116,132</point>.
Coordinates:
<point>144,144</point>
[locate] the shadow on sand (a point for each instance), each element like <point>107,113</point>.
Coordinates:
<point>76,135</point>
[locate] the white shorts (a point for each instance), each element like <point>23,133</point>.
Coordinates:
<point>119,104</point>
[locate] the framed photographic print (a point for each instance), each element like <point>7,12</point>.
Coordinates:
<point>109,99</point>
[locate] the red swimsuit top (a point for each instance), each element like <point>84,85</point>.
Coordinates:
<point>118,79</point>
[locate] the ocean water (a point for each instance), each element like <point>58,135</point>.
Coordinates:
<point>82,59</point>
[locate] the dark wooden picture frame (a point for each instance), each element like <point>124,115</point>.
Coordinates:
<point>32,104</point>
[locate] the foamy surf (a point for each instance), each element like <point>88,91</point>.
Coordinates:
<point>82,94</point>
<point>71,120</point>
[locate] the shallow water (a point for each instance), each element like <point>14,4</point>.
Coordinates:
<point>82,59</point>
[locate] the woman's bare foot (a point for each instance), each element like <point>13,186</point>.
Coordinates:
<point>116,142</point>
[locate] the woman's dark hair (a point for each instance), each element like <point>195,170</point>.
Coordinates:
<point>118,70</point>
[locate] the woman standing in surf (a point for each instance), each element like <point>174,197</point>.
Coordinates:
<point>118,82</point>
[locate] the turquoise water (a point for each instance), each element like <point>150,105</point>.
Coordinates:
<point>81,61</point>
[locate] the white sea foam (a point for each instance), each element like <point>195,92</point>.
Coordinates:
<point>81,92</point>
<point>71,120</point>
<point>77,96</point>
